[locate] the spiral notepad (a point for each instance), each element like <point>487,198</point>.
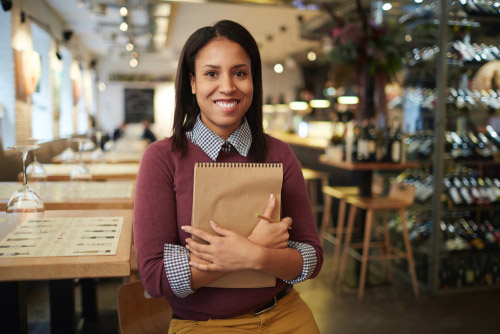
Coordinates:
<point>231,194</point>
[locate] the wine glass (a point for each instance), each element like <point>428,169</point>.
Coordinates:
<point>98,154</point>
<point>37,175</point>
<point>81,172</point>
<point>25,203</point>
<point>68,155</point>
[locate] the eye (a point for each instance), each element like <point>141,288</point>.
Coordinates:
<point>211,74</point>
<point>240,73</point>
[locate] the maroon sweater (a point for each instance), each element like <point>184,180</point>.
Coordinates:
<point>163,203</point>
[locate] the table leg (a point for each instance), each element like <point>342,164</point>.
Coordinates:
<point>62,306</point>
<point>89,299</point>
<point>365,190</point>
<point>13,309</point>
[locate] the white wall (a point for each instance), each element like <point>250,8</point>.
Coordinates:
<point>285,83</point>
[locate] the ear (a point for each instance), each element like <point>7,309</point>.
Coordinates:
<point>193,83</point>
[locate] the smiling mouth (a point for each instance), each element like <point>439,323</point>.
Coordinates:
<point>227,104</point>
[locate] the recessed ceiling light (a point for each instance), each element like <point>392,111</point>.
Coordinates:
<point>278,68</point>
<point>133,62</point>
<point>386,6</point>
<point>123,11</point>
<point>123,26</point>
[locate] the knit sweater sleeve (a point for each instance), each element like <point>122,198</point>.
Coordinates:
<point>295,204</point>
<point>155,221</point>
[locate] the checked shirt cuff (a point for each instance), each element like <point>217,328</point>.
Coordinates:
<point>176,262</point>
<point>309,260</point>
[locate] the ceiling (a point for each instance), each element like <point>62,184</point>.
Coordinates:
<point>159,29</point>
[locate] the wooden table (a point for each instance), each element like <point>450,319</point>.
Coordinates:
<point>99,172</point>
<point>60,271</point>
<point>109,158</point>
<point>365,170</point>
<point>67,195</point>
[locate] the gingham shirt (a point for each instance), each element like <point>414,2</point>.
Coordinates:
<point>176,257</point>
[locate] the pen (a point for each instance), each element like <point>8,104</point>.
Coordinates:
<point>267,219</point>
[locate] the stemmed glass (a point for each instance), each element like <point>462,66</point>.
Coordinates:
<point>68,155</point>
<point>37,174</point>
<point>81,172</point>
<point>25,203</point>
<point>98,154</point>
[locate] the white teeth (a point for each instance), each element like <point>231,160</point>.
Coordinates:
<point>226,104</point>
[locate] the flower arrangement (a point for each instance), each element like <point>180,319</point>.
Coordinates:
<point>369,51</point>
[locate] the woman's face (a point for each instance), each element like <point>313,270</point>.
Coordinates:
<point>223,85</point>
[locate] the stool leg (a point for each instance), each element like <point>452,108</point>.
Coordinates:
<point>339,235</point>
<point>326,219</point>
<point>409,253</point>
<point>387,241</point>
<point>347,244</point>
<point>366,249</point>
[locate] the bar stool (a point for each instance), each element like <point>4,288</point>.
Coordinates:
<point>400,197</point>
<point>138,313</point>
<point>335,235</point>
<point>312,177</point>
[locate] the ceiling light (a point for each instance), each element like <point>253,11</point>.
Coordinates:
<point>129,46</point>
<point>278,68</point>
<point>348,100</point>
<point>419,1</point>
<point>123,26</point>
<point>123,11</point>
<point>311,56</point>
<point>101,85</point>
<point>387,6</point>
<point>133,62</point>
<point>319,104</point>
<point>330,91</point>
<point>298,105</point>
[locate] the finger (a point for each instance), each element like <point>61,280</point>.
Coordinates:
<point>271,204</point>
<point>199,233</point>
<point>191,244</point>
<point>221,230</point>
<point>200,255</point>
<point>288,222</point>
<point>204,267</point>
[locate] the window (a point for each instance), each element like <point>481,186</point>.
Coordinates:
<point>7,87</point>
<point>66,128</point>
<point>42,113</point>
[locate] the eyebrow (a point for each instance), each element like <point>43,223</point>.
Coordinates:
<point>234,67</point>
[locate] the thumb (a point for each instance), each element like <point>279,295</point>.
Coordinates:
<point>288,222</point>
<point>271,204</point>
<point>220,230</point>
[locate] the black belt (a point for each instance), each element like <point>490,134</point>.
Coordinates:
<point>266,307</point>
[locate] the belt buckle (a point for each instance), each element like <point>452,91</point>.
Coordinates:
<point>267,308</point>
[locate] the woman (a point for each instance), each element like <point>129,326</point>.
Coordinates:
<point>218,117</point>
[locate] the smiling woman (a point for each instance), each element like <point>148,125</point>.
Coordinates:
<point>218,118</point>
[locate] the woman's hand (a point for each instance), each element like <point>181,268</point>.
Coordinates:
<point>227,251</point>
<point>271,235</point>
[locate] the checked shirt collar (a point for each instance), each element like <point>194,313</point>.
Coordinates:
<point>211,143</point>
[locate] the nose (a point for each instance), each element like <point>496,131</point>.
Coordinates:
<point>226,84</point>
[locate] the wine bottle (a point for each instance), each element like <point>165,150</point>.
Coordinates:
<point>495,138</point>
<point>452,192</point>
<point>493,190</point>
<point>482,151</point>
<point>464,192</point>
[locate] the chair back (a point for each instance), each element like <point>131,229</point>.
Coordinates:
<point>402,192</point>
<point>138,313</point>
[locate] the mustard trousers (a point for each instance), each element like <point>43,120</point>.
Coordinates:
<point>291,315</point>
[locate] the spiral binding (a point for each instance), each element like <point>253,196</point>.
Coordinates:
<point>239,164</point>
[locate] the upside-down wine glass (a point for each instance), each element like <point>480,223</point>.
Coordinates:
<point>80,172</point>
<point>98,154</point>
<point>37,175</point>
<point>68,155</point>
<point>25,203</point>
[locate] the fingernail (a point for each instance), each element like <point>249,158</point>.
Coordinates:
<point>183,227</point>
<point>271,197</point>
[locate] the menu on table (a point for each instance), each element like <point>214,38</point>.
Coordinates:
<point>75,236</point>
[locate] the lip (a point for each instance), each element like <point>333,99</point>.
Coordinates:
<point>227,104</point>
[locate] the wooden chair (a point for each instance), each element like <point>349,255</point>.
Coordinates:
<point>400,197</point>
<point>312,177</point>
<point>138,313</point>
<point>335,235</point>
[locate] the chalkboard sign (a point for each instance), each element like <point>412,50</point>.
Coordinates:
<point>139,105</point>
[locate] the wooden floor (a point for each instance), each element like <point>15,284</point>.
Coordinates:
<point>385,308</point>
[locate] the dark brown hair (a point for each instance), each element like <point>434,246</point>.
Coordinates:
<point>186,106</point>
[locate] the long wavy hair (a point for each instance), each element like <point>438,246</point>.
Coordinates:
<point>186,106</point>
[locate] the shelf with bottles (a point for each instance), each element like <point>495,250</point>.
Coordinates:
<point>470,147</point>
